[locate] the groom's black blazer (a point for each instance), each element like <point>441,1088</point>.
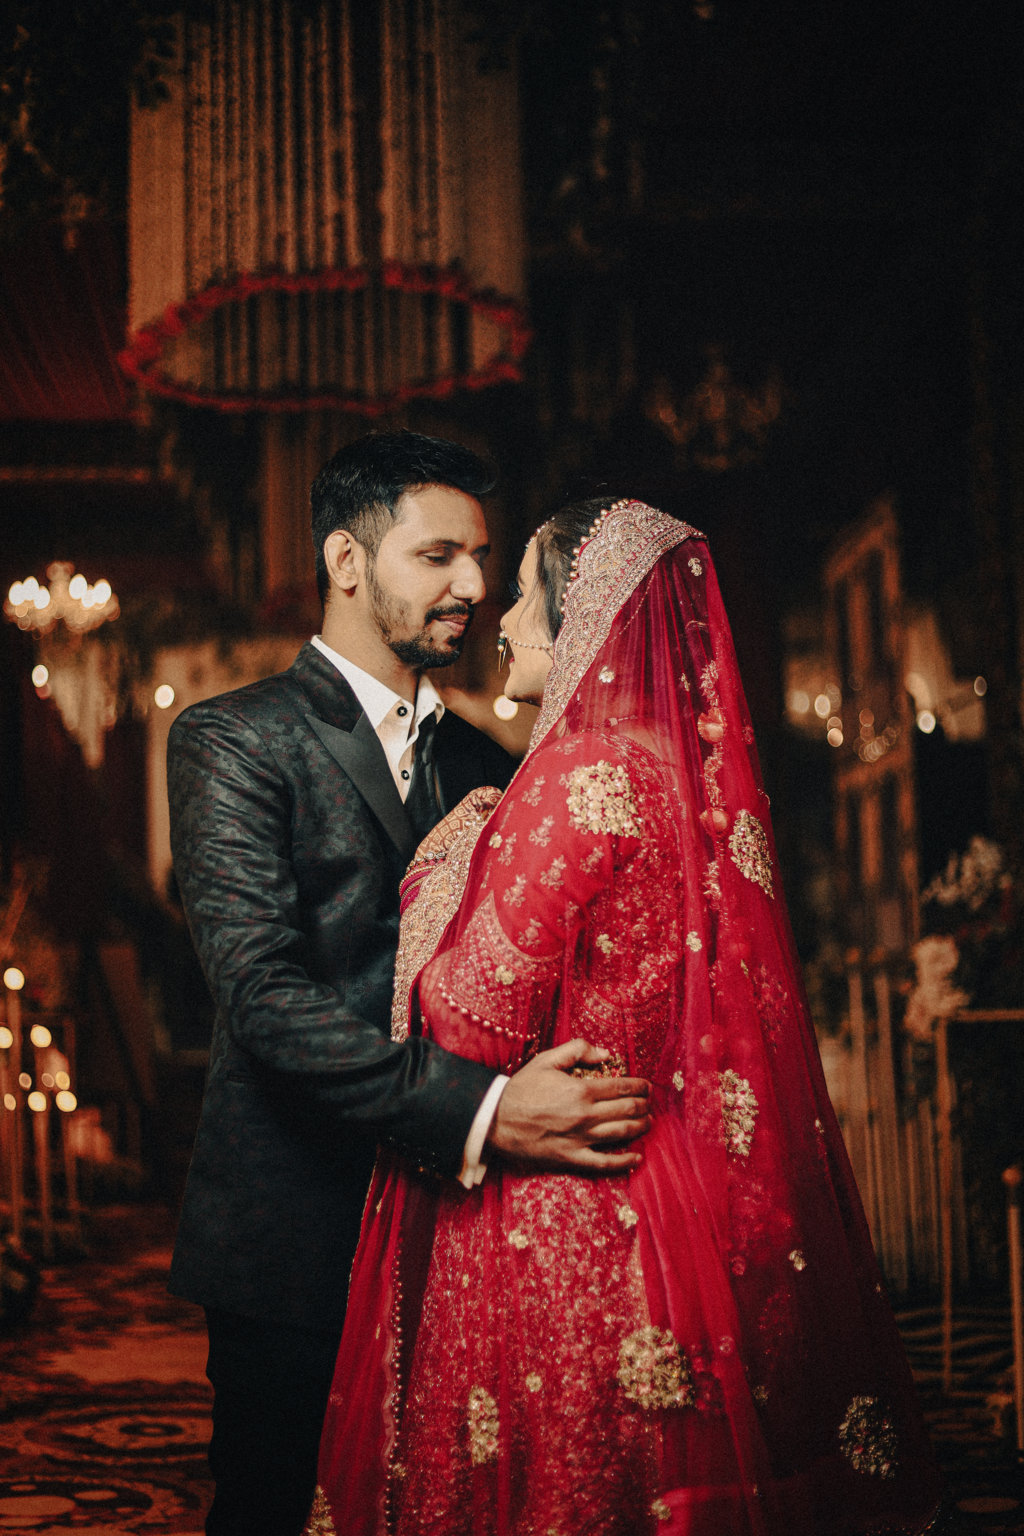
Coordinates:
<point>289,842</point>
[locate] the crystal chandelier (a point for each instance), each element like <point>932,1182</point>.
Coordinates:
<point>78,674</point>
<point>69,599</point>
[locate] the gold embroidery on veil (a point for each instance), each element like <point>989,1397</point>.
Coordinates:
<point>611,565</point>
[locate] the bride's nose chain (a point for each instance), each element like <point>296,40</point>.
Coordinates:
<point>527,645</point>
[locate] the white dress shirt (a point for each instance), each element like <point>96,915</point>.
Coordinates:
<point>397,726</point>
<point>395,721</point>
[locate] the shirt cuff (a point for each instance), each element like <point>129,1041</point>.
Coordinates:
<point>473,1167</point>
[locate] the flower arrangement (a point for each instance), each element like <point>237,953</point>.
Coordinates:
<point>974,904</point>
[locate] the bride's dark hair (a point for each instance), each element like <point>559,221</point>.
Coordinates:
<point>557,541</point>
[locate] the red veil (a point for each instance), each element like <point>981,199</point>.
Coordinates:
<point>702,1346</point>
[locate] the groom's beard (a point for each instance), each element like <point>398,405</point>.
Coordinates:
<point>416,649</point>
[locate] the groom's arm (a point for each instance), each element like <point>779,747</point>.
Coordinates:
<point>231,816</point>
<point>231,834</point>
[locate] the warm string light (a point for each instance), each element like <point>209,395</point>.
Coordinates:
<point>57,1083</point>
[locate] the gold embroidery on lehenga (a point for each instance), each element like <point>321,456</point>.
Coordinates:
<point>693,942</point>
<point>320,1522</point>
<point>797,1260</point>
<point>659,1509</point>
<point>482,1419</point>
<point>541,835</point>
<point>771,1001</point>
<point>552,876</point>
<point>531,933</point>
<point>505,856</point>
<point>534,1382</point>
<point>422,924</point>
<point>711,725</point>
<point>604,943</point>
<point>515,894</point>
<point>867,1438</point>
<point>491,981</point>
<point>739,1112</point>
<point>601,799</point>
<point>532,795</point>
<point>712,886</point>
<point>748,845</point>
<point>653,1371</point>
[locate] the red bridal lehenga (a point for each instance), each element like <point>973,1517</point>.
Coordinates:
<point>702,1346</point>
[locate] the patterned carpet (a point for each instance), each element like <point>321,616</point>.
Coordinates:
<point>104,1406</point>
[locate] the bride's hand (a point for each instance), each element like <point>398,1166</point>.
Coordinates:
<point>475,809</point>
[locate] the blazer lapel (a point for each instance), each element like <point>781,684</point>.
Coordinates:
<point>362,757</point>
<point>338,720</point>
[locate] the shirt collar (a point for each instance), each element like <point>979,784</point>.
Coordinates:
<point>376,699</point>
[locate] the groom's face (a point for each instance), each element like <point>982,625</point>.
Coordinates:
<point>427,576</point>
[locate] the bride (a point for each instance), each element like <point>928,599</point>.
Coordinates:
<point>699,1346</point>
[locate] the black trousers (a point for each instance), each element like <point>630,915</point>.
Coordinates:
<point>270,1386</point>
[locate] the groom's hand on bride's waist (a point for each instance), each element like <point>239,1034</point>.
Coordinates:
<point>552,1116</point>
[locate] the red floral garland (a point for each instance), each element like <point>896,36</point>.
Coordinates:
<point>141,357</point>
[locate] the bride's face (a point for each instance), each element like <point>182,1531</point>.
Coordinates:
<point>529,642</point>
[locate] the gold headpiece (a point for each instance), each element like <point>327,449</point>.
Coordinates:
<point>591,533</point>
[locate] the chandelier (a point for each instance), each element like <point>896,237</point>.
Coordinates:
<point>69,599</point>
<point>720,425</point>
<point>325,212</point>
<point>77,673</point>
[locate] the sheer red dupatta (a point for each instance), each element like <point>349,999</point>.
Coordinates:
<point>703,1347</point>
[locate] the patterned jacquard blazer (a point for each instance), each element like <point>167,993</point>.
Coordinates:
<point>289,842</point>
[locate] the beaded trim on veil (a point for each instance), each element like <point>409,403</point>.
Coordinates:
<point>624,544</point>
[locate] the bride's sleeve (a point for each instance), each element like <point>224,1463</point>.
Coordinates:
<point>570,822</point>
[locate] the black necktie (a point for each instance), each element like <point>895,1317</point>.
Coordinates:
<point>421,803</point>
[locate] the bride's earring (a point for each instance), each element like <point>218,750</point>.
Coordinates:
<point>502,648</point>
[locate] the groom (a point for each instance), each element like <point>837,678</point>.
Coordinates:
<point>295,805</point>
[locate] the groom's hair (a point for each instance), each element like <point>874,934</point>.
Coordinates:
<point>360,487</point>
<point>558,541</point>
